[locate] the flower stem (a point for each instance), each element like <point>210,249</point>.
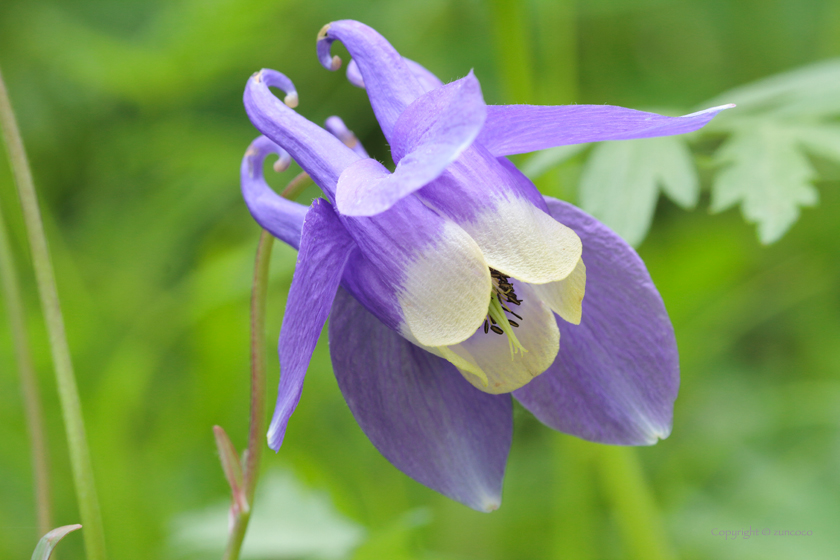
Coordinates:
<point>51,308</point>
<point>256,435</point>
<point>28,381</point>
<point>297,186</point>
<point>627,491</point>
<point>256,429</point>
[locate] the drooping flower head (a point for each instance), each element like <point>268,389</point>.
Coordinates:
<point>451,283</point>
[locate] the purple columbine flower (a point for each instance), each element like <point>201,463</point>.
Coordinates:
<point>451,282</point>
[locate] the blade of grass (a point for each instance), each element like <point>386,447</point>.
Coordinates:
<point>513,49</point>
<point>51,308</point>
<point>576,532</point>
<point>49,541</point>
<point>625,487</point>
<point>28,381</point>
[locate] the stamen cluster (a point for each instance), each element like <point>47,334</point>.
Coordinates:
<point>504,292</point>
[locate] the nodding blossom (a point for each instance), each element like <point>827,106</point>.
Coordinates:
<point>451,283</point>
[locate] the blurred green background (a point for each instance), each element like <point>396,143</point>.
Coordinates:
<point>132,116</point>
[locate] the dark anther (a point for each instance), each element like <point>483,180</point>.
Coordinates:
<point>503,290</point>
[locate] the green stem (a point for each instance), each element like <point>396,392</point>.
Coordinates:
<point>45,278</point>
<point>556,26</point>
<point>257,422</point>
<point>297,185</point>
<point>28,382</point>
<point>558,52</point>
<point>256,430</point>
<point>632,502</point>
<point>575,534</point>
<point>511,34</point>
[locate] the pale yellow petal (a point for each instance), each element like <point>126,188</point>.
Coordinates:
<point>523,242</point>
<point>566,296</point>
<point>446,290</point>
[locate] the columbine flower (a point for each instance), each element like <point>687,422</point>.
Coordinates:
<point>451,281</point>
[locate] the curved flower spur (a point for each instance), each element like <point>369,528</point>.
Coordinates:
<point>451,282</point>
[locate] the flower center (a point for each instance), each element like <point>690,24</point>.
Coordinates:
<point>497,321</point>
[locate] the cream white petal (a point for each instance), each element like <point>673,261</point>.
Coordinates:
<point>566,296</point>
<point>485,359</point>
<point>446,289</point>
<point>521,241</point>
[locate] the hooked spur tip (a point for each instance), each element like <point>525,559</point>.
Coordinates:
<point>323,41</point>
<point>322,34</point>
<point>282,164</point>
<point>291,100</point>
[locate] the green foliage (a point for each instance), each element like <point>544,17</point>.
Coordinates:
<point>764,169</point>
<point>622,180</point>
<point>48,542</point>
<point>763,164</point>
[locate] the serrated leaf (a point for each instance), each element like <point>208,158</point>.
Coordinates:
<point>621,182</point>
<point>48,542</point>
<point>766,171</point>
<point>809,92</point>
<point>821,140</point>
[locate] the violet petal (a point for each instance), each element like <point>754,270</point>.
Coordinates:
<point>390,83</point>
<point>282,218</point>
<point>318,152</point>
<point>325,248</point>
<point>408,247</point>
<point>428,81</point>
<point>337,128</point>
<point>429,135</point>
<point>516,129</point>
<point>617,374</point>
<point>418,410</point>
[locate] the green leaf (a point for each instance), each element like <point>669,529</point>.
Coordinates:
<point>823,141</point>
<point>812,91</point>
<point>232,467</point>
<point>50,540</point>
<point>621,182</point>
<point>765,167</point>
<point>767,171</point>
